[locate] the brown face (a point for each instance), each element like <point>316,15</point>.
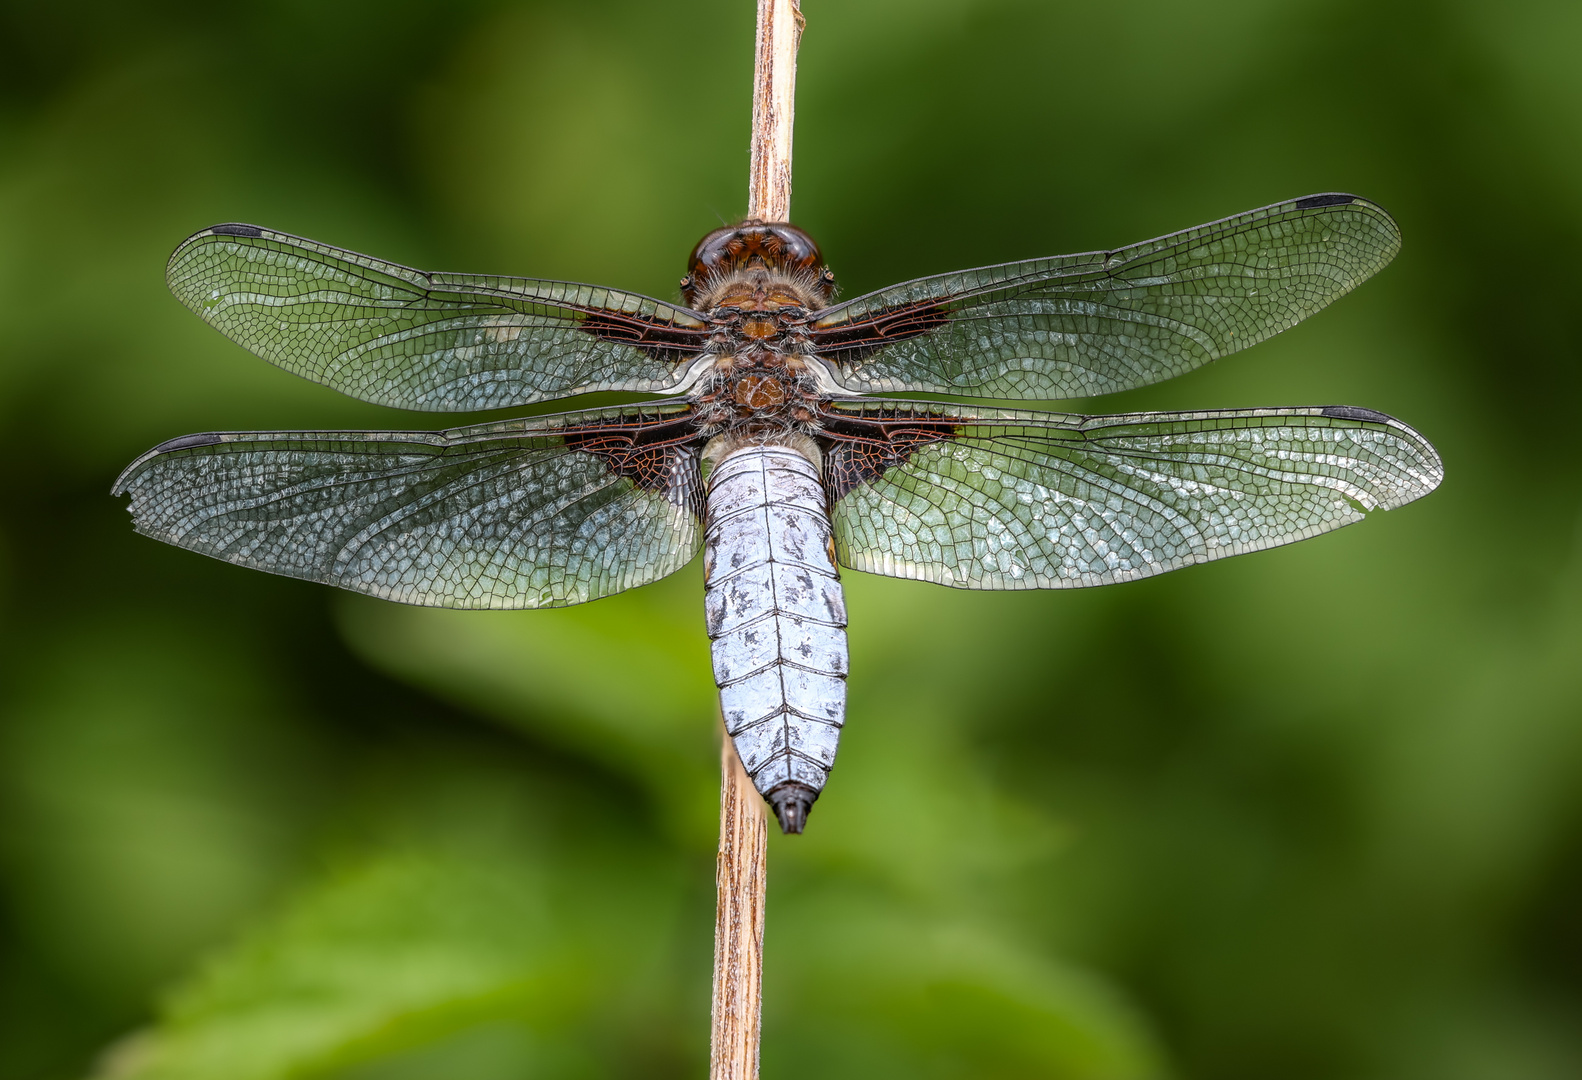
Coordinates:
<point>776,247</point>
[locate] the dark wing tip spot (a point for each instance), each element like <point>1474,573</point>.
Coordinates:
<point>1352,412</point>
<point>1313,202</point>
<point>237,230</point>
<point>187,442</point>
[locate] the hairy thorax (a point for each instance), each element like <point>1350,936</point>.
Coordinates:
<point>758,284</point>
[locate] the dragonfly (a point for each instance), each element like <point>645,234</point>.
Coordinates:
<point>772,448</point>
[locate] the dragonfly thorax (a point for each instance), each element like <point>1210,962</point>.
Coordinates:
<point>758,393</point>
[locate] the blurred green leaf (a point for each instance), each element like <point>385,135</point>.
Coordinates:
<point>376,960</point>
<point>148,799</point>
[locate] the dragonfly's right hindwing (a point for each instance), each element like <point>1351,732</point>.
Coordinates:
<point>521,514</point>
<point>999,499</point>
<point>777,618</point>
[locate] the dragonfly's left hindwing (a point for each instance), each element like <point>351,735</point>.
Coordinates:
<point>521,514</point>
<point>999,499</point>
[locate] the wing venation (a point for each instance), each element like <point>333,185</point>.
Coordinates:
<point>1098,322</point>
<point>389,334</point>
<point>535,513</point>
<point>998,499</point>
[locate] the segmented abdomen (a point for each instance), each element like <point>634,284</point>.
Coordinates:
<point>778,622</point>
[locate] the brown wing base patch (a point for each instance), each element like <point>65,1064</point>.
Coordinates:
<point>852,341</point>
<point>659,338</point>
<point>657,456</point>
<point>859,450</point>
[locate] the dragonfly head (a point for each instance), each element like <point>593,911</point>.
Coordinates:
<point>772,249</point>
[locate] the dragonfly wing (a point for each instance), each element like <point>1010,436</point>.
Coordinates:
<point>438,342</point>
<point>1095,323</point>
<point>530,513</point>
<point>995,499</point>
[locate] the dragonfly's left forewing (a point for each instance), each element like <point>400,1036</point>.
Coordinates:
<point>996,499</point>
<point>396,336</point>
<point>519,514</point>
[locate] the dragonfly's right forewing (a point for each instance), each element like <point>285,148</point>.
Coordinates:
<point>1102,321</point>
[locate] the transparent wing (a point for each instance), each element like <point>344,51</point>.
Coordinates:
<point>438,342</point>
<point>538,513</point>
<point>1095,323</point>
<point>995,499</point>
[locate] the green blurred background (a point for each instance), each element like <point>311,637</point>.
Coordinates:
<point>1312,814</point>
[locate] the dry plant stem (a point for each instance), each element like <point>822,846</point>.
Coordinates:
<point>774,109</point>
<point>739,876</point>
<point>738,923</point>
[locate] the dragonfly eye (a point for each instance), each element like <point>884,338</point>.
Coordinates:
<point>774,245</point>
